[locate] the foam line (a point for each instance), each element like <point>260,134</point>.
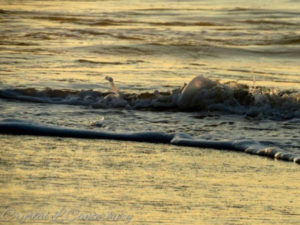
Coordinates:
<point>250,147</point>
<point>16,127</point>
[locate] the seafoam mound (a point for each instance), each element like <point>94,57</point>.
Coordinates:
<point>19,127</point>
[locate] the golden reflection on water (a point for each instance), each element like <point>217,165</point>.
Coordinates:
<point>156,184</point>
<point>51,36</point>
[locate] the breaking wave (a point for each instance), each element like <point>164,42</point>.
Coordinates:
<point>19,127</point>
<point>201,94</point>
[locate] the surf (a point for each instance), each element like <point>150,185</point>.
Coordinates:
<point>20,127</point>
<point>200,94</point>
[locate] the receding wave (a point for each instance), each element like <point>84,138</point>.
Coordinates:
<point>291,39</point>
<point>272,22</point>
<point>84,21</point>
<point>101,33</point>
<point>2,11</point>
<point>201,94</point>
<point>111,22</point>
<point>17,127</point>
<point>178,23</point>
<point>128,62</point>
<point>288,40</point>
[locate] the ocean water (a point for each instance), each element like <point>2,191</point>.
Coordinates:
<point>121,67</point>
<point>65,181</point>
<point>130,107</point>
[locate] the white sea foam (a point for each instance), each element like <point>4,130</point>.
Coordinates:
<point>201,94</point>
<point>19,127</point>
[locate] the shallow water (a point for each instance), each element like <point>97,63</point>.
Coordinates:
<point>59,43</point>
<point>152,183</point>
<point>147,45</point>
<point>55,55</point>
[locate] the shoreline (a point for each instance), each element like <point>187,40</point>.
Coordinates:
<point>16,127</point>
<point>155,183</point>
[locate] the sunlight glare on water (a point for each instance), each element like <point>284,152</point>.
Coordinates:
<point>149,44</point>
<point>114,69</point>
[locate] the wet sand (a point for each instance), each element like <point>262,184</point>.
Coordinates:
<point>146,183</point>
